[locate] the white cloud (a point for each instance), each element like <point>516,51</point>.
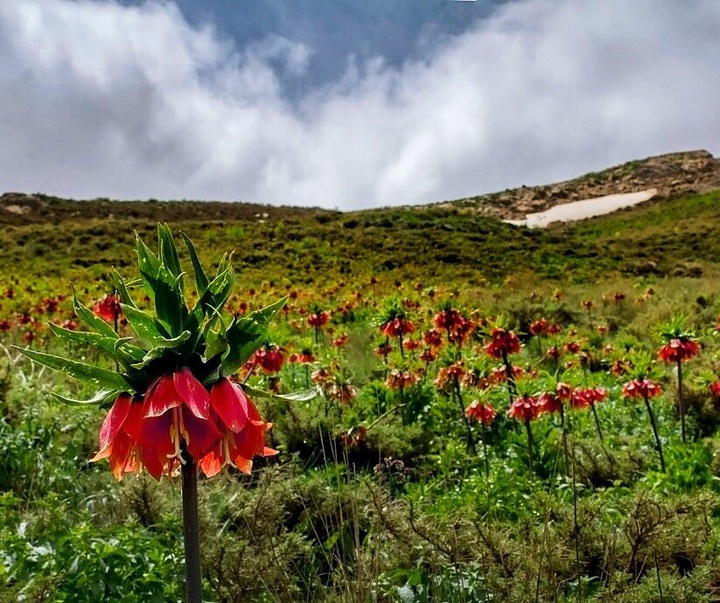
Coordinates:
<point>97,99</point>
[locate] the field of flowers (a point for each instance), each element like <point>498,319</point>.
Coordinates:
<point>468,440</point>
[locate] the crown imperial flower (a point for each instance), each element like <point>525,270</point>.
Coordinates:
<point>172,398</point>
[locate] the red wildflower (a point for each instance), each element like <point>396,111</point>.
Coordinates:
<point>177,412</point>
<point>554,329</point>
<point>119,436</point>
<point>383,349</point>
<point>5,325</point>
<point>398,379</point>
<point>318,319</point>
<point>539,327</point>
<point>564,391</point>
<point>433,338</point>
<point>553,352</point>
<point>524,408</point>
<point>484,413</point>
<point>397,327</point>
<point>321,376</point>
<point>572,347</point>
<point>355,436</point>
<point>108,308</point>
<point>641,388</point>
<point>583,398</point>
<point>503,343</point>
<point>304,357</point>
<point>340,342</point>
<point>549,402</point>
<point>428,355</point>
<point>679,350</point>
<point>269,358</point>
<point>714,388</point>
<point>499,373</point>
<point>461,332</point>
<point>342,392</point>
<point>412,344</point>
<point>449,373</point>
<point>447,319</point>
<point>69,324</point>
<point>241,427</point>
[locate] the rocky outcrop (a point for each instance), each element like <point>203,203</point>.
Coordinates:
<point>673,175</point>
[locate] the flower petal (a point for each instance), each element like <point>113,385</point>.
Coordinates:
<point>156,445</point>
<point>202,435</point>
<point>161,397</point>
<point>113,422</point>
<point>211,464</point>
<point>193,393</point>
<point>230,403</point>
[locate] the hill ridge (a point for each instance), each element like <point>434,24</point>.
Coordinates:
<point>672,174</point>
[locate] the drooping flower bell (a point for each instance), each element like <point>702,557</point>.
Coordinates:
<point>482,412</point>
<point>502,344</point>
<point>641,388</point>
<point>525,408</point>
<point>171,401</point>
<point>679,350</point>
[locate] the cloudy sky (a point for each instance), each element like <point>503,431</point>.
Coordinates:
<point>346,103</point>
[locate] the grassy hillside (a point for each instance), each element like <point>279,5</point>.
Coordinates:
<point>79,240</point>
<point>386,489</point>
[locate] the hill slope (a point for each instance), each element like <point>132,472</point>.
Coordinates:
<point>678,233</point>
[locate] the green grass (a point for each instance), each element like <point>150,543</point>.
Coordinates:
<point>408,513</point>
<point>680,236</point>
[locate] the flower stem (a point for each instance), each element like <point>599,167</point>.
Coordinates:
<point>485,452</point>
<point>681,405</point>
<point>191,531</point>
<point>528,429</point>
<point>469,440</point>
<point>655,432</point>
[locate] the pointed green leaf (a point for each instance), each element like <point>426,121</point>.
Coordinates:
<point>217,293</point>
<point>88,317</point>
<point>160,347</point>
<point>103,397</point>
<point>170,304</point>
<point>148,265</point>
<point>163,289</point>
<point>168,251</point>
<point>144,324</point>
<point>215,340</point>
<point>122,288</point>
<point>201,279</point>
<point>215,343</point>
<point>303,396</point>
<point>78,370</point>
<point>153,354</point>
<point>109,345</point>
<point>246,335</point>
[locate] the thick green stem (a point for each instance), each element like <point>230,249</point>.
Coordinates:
<point>597,422</point>
<point>512,388</point>
<point>485,452</point>
<point>191,531</point>
<point>564,439</point>
<point>681,405</point>
<point>470,441</point>
<point>655,432</point>
<point>528,429</point>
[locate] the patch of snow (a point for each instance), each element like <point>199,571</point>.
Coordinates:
<point>17,209</point>
<point>587,208</point>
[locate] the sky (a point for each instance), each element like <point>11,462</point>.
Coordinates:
<point>346,104</point>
